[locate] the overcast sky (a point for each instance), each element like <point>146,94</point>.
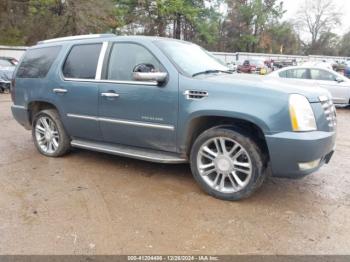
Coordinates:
<point>292,7</point>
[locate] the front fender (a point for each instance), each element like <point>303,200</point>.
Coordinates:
<point>267,109</point>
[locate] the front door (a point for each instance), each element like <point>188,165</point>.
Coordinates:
<point>141,114</point>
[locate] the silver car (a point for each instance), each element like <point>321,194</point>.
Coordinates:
<point>337,84</point>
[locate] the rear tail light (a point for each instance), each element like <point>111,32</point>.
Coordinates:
<point>13,89</point>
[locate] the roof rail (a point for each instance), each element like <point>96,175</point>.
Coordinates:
<point>77,37</point>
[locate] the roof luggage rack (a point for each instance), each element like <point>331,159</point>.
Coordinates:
<point>77,37</point>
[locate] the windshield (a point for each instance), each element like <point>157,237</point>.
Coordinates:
<point>191,59</point>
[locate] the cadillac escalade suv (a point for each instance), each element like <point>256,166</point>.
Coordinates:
<point>170,101</point>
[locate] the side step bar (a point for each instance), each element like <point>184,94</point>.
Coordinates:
<point>132,152</point>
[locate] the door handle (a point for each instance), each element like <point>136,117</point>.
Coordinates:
<point>109,94</point>
<point>60,91</point>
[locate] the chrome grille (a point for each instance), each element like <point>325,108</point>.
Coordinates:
<point>329,111</point>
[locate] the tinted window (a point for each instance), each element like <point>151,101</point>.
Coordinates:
<point>37,62</point>
<point>301,73</point>
<point>125,57</point>
<point>283,74</point>
<point>82,61</point>
<point>317,74</point>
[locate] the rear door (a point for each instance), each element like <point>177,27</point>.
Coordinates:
<point>136,113</point>
<point>77,91</point>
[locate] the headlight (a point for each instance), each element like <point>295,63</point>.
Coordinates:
<point>301,114</point>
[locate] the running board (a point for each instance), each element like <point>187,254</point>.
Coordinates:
<point>132,152</point>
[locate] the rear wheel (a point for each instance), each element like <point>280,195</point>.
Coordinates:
<point>49,135</point>
<point>227,164</point>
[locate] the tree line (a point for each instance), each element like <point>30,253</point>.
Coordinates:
<point>218,25</point>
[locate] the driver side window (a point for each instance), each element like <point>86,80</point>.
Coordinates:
<point>126,58</point>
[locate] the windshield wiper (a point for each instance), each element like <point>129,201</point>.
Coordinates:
<point>211,71</point>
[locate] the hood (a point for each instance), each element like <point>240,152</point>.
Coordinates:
<point>288,86</point>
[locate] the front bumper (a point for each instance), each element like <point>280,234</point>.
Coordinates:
<point>290,149</point>
<point>21,115</point>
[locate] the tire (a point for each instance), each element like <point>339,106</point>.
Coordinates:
<point>6,91</point>
<point>228,175</point>
<point>57,136</point>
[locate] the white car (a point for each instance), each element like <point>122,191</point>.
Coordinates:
<point>337,84</point>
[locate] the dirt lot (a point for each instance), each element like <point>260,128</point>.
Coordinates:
<point>93,203</point>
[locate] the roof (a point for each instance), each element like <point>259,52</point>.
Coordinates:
<point>103,36</point>
<point>304,67</point>
<point>77,37</point>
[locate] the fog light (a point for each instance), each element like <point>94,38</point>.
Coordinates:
<point>309,165</point>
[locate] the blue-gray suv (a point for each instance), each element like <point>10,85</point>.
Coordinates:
<point>171,101</point>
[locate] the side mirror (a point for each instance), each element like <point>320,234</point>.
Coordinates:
<point>339,79</point>
<point>158,77</point>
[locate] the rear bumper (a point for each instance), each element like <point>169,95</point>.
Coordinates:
<point>290,150</point>
<point>20,113</point>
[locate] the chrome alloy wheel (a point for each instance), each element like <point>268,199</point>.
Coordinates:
<point>224,165</point>
<point>46,134</point>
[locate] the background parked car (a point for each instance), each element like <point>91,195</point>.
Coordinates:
<point>347,69</point>
<point>255,66</point>
<point>335,83</point>
<point>232,66</point>
<point>7,67</point>
<point>8,61</point>
<point>277,64</point>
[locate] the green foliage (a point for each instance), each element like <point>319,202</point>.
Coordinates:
<point>344,45</point>
<point>248,20</point>
<point>218,25</point>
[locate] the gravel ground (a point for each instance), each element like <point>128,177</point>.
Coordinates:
<point>93,203</point>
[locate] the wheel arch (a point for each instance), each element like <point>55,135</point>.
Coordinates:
<point>202,123</point>
<point>38,105</point>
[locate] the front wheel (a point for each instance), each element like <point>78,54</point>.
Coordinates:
<point>49,135</point>
<point>227,164</point>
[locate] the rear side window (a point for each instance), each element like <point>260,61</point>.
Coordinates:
<point>283,74</point>
<point>37,62</point>
<point>82,61</point>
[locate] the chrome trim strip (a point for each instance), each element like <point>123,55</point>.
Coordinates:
<point>83,117</point>
<point>150,83</point>
<point>78,37</point>
<point>123,153</point>
<point>100,61</point>
<point>196,94</point>
<point>19,107</point>
<point>136,123</point>
<point>124,122</point>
